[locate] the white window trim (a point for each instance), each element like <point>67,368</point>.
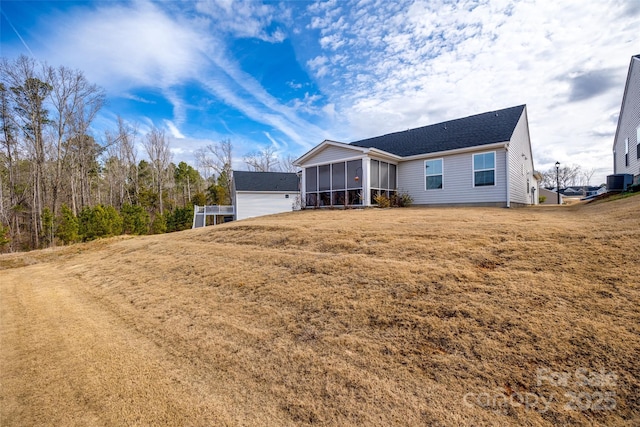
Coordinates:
<point>494,169</point>
<point>426,175</point>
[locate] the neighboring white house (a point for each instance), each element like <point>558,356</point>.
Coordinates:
<point>485,159</point>
<point>626,145</point>
<point>264,193</point>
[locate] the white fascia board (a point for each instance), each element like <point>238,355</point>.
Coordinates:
<point>475,148</point>
<point>323,144</point>
<point>385,154</point>
<point>344,159</point>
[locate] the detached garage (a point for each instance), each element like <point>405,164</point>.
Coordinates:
<point>264,193</point>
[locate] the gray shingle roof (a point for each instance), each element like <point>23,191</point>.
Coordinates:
<point>480,129</point>
<point>265,181</point>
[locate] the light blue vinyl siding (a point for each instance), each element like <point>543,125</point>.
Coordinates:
<point>458,181</point>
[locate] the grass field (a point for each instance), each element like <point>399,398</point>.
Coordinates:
<point>527,317</point>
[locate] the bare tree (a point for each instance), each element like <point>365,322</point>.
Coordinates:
<point>121,166</point>
<point>287,163</point>
<point>588,175</point>
<point>217,158</point>
<point>157,146</point>
<point>265,160</point>
<point>75,104</point>
<point>567,175</point>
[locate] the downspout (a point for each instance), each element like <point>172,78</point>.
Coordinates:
<point>508,172</point>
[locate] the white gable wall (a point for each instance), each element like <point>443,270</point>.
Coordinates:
<point>331,153</point>
<point>628,124</point>
<point>251,204</point>
<point>521,164</point>
<point>457,180</point>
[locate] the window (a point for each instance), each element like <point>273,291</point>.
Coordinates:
<point>433,173</point>
<point>484,169</point>
<point>638,142</point>
<point>626,152</point>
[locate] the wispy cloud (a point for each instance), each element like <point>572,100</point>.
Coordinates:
<point>137,98</point>
<point>142,45</point>
<point>394,65</point>
<point>246,18</point>
<point>379,66</point>
<point>175,132</point>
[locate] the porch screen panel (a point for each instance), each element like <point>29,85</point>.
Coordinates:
<point>375,174</point>
<point>384,175</point>
<point>324,177</point>
<point>354,170</point>
<point>392,176</point>
<point>337,175</point>
<point>311,178</point>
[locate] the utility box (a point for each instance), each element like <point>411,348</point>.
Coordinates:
<point>619,182</point>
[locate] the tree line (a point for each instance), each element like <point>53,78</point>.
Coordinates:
<point>567,175</point>
<point>60,184</point>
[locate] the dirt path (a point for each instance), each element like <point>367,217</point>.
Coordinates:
<point>66,361</point>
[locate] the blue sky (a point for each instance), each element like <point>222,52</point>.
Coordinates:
<point>291,74</point>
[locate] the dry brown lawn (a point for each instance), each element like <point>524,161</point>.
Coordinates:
<point>377,317</point>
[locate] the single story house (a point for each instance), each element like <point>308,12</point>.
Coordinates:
<point>481,160</point>
<point>264,193</point>
<point>582,191</point>
<point>626,145</point>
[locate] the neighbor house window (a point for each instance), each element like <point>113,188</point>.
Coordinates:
<point>433,173</point>
<point>626,152</point>
<point>484,169</point>
<point>638,142</point>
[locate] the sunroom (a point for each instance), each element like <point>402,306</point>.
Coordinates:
<point>345,183</point>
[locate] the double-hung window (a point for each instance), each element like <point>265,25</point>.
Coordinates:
<point>484,169</point>
<point>434,173</point>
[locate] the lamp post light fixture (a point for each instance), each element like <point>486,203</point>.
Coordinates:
<point>558,181</point>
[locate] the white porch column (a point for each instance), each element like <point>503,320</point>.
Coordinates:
<point>366,179</point>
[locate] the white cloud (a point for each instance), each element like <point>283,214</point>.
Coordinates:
<point>175,132</point>
<point>245,18</point>
<point>137,98</point>
<point>413,63</point>
<point>123,47</point>
<point>120,46</point>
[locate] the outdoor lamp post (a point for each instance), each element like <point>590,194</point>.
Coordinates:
<point>558,180</point>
